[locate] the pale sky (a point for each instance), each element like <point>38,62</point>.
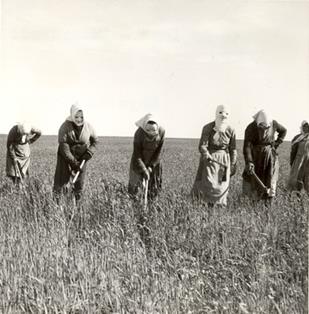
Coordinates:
<point>178,59</point>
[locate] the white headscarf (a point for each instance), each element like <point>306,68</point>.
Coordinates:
<point>25,127</point>
<point>150,130</point>
<point>261,117</point>
<point>74,109</point>
<point>221,121</point>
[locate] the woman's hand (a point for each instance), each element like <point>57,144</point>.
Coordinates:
<point>75,166</point>
<point>250,167</point>
<point>233,169</point>
<point>207,155</point>
<point>87,155</point>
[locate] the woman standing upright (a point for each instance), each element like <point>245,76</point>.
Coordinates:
<point>299,160</point>
<point>261,157</point>
<point>146,158</point>
<point>77,141</point>
<point>18,150</point>
<point>218,160</point>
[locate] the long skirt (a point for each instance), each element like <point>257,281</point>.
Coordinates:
<point>266,167</point>
<point>62,177</point>
<point>213,179</point>
<point>22,153</point>
<point>135,185</point>
<point>299,174</point>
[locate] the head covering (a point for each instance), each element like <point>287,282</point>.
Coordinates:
<point>73,111</point>
<point>221,121</point>
<point>262,119</point>
<point>302,126</point>
<point>25,127</point>
<point>151,129</point>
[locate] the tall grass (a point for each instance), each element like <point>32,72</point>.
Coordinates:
<point>246,258</point>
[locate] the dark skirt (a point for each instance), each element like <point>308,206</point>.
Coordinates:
<point>154,184</point>
<point>266,167</point>
<point>62,177</point>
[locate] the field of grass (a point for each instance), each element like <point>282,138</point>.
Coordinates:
<point>246,258</point>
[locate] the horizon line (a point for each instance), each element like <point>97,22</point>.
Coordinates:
<point>126,136</point>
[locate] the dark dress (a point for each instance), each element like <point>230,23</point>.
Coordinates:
<point>19,150</point>
<point>299,161</point>
<point>259,149</point>
<point>73,142</point>
<point>146,153</point>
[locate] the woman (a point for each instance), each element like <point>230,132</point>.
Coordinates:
<point>146,159</point>
<point>218,160</point>
<point>18,150</point>
<point>77,141</point>
<point>261,157</point>
<point>299,160</point>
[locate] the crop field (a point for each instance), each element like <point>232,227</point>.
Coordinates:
<point>246,258</point>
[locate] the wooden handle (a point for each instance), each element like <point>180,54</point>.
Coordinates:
<point>146,193</point>
<point>262,185</point>
<point>17,169</point>
<point>78,172</point>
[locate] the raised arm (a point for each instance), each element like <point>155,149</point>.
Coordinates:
<point>281,130</point>
<point>35,134</point>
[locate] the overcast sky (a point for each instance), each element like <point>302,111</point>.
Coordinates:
<point>121,59</point>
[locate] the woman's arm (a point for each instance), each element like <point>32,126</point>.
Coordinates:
<point>137,152</point>
<point>156,156</point>
<point>204,141</point>
<point>281,130</point>
<point>247,147</point>
<point>64,147</point>
<point>93,141</point>
<point>11,139</point>
<point>36,133</point>
<point>294,148</point>
<point>232,148</point>
<point>91,149</point>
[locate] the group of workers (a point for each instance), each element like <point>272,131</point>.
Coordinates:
<point>218,156</point>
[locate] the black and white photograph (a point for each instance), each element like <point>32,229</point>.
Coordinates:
<point>154,156</point>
